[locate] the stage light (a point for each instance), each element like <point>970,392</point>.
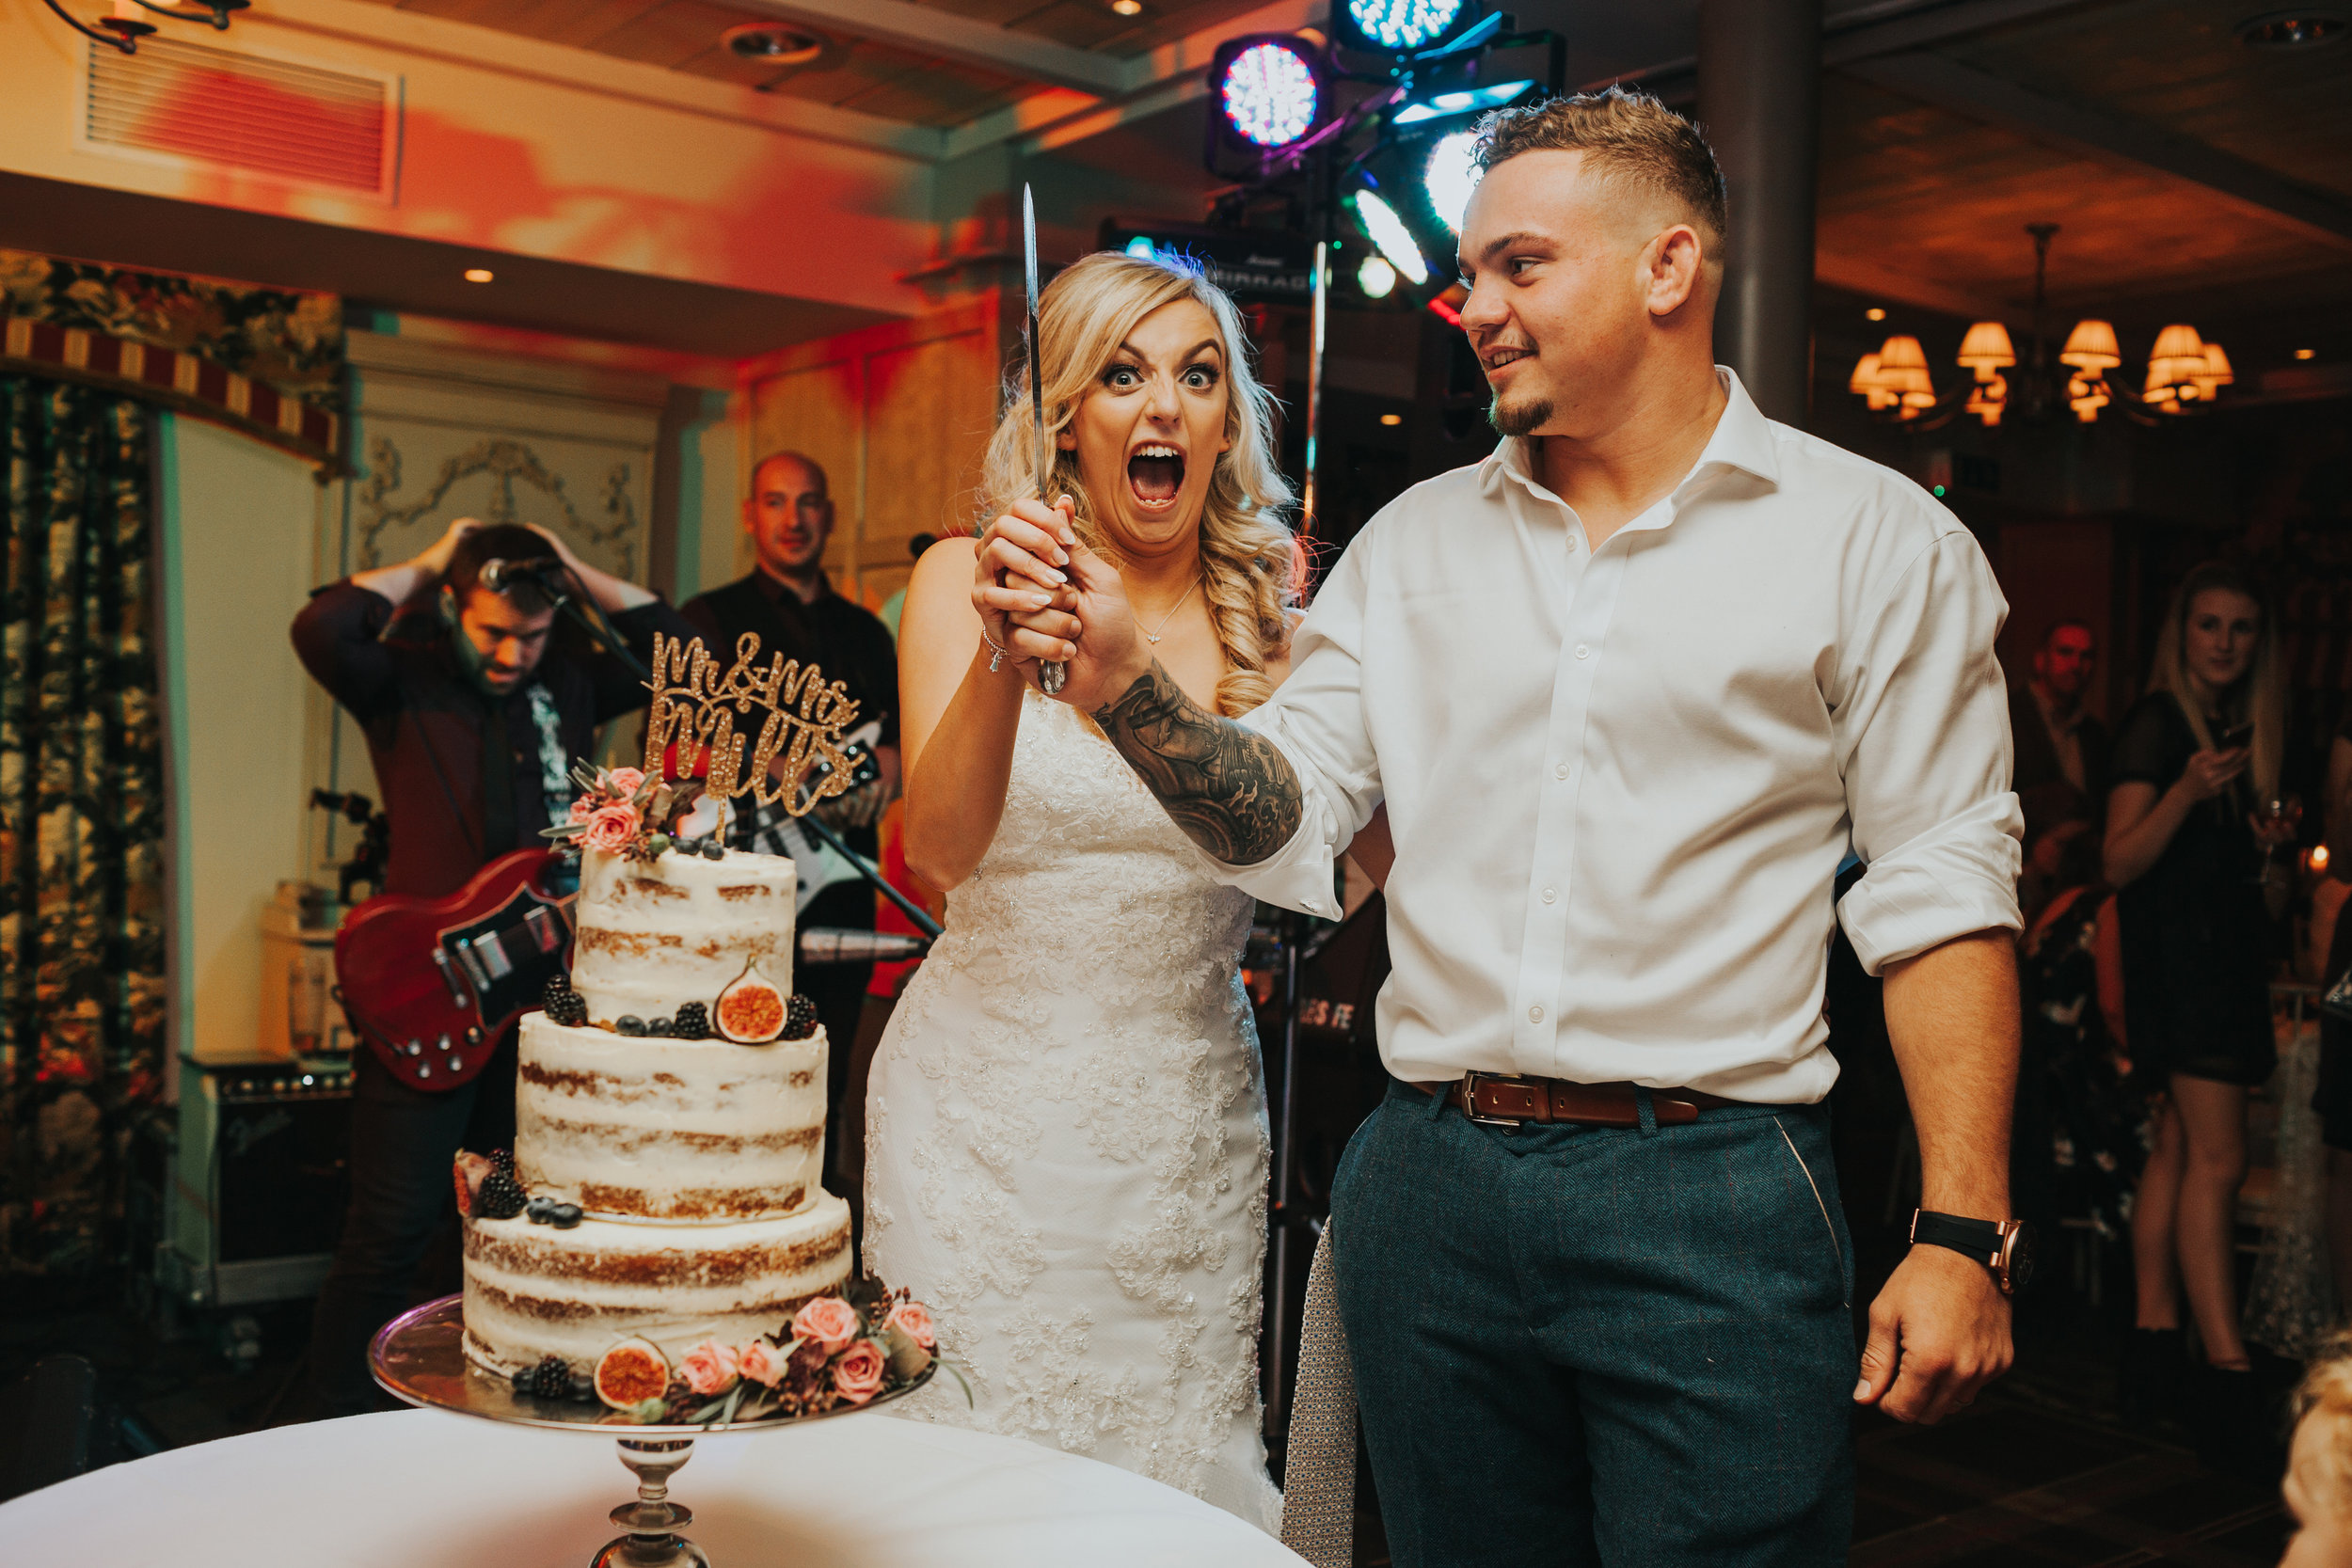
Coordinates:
<point>1403,26</point>
<point>1270,98</point>
<point>1269,94</point>
<point>1140,248</point>
<point>1383,228</point>
<point>1375,277</point>
<point>1450,176</point>
<point>1476,101</point>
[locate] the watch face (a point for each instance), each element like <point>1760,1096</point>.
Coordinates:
<point>2017,1248</point>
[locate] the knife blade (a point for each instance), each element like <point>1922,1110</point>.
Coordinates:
<point>1049,674</point>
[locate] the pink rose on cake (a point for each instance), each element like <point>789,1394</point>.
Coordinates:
<point>626,780</point>
<point>858,1375</point>
<point>582,809</point>
<point>609,829</point>
<point>710,1367</point>
<point>828,1322</point>
<point>916,1320</point>
<point>763,1363</point>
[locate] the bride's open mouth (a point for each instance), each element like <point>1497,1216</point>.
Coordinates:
<point>1155,472</point>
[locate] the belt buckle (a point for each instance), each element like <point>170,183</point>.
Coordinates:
<point>1471,1081</point>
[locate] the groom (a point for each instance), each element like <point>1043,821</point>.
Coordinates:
<point>1630,687</point>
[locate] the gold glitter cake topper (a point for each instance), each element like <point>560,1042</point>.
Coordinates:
<point>695,707</point>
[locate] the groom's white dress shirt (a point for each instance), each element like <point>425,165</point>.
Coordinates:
<point>1621,780</point>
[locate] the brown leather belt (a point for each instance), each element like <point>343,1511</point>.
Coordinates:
<point>1497,1100</point>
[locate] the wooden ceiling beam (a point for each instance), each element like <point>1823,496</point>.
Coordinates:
<point>1875,279</point>
<point>2250,188</point>
<point>929,30</point>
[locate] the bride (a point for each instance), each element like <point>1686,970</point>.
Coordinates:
<point>1066,1122</point>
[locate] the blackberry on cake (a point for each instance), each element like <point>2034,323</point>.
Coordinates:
<point>693,1021</point>
<point>500,1197</point>
<point>799,1019</point>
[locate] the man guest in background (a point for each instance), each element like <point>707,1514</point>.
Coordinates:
<point>474,707</point>
<point>2056,741</point>
<point>788,600</point>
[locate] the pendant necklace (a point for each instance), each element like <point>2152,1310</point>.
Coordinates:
<point>1154,636</point>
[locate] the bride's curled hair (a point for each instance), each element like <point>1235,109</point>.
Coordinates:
<point>1250,562</point>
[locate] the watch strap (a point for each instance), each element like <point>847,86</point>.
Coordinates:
<point>1977,1238</point>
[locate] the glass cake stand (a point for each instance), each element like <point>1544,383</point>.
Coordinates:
<point>421,1357</point>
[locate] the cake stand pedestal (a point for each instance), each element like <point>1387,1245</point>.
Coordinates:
<point>421,1357</point>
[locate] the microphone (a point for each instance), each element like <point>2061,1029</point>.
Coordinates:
<point>848,945</point>
<point>498,575</point>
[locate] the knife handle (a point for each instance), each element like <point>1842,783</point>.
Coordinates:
<point>1050,677</point>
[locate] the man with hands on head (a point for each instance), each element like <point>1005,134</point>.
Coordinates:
<point>1630,689</point>
<point>474,704</point>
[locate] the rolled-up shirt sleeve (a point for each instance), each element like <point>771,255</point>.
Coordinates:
<point>1316,720</point>
<point>1921,723</point>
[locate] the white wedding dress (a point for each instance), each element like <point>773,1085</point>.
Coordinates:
<point>1066,1135</point>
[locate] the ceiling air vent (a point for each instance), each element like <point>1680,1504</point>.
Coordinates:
<point>294,124</point>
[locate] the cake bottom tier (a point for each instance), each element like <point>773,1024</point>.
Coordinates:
<point>532,1290</point>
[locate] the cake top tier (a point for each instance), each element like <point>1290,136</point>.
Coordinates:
<point>654,935</point>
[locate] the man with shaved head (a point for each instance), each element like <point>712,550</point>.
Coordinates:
<point>790,601</point>
<point>1630,688</point>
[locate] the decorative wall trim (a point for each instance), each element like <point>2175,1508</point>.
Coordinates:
<point>505,461</point>
<point>182,382</point>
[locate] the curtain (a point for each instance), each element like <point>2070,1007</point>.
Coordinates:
<point>82,821</point>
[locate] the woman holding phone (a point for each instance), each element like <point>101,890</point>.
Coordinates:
<point>2192,761</point>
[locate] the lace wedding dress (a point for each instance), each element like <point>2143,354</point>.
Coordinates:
<point>1066,1135</point>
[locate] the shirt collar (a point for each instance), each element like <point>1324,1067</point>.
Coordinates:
<point>1742,440</point>
<point>775,589</point>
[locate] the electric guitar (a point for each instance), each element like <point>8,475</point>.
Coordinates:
<point>434,984</point>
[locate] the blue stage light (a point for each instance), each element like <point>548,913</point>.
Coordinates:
<point>1140,248</point>
<point>1403,24</point>
<point>1470,100</point>
<point>1269,94</point>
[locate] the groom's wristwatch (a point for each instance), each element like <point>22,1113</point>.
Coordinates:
<point>2005,1246</point>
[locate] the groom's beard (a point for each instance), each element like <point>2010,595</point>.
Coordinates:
<point>1518,419</point>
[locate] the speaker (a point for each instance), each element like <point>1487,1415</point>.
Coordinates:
<point>260,1184</point>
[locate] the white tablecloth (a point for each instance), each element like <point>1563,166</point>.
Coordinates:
<point>421,1486</point>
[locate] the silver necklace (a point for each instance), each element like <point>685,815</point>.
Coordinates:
<point>1154,636</point>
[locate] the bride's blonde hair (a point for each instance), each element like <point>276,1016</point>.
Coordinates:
<point>1250,564</point>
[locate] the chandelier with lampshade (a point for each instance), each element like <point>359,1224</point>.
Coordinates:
<point>2185,372</point>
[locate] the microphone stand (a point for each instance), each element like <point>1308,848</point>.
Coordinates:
<point>607,641</point>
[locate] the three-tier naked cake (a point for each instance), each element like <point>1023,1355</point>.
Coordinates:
<point>680,1167</point>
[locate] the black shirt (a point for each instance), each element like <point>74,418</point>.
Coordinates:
<point>428,725</point>
<point>847,641</point>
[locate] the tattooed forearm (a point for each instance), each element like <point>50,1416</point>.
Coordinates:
<point>1228,788</point>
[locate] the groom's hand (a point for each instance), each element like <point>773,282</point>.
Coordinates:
<point>1938,1333</point>
<point>1108,654</point>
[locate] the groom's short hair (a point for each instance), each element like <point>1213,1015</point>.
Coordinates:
<point>1626,135</point>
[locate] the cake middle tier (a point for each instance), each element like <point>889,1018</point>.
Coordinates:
<point>665,1129</point>
<point>532,1290</point>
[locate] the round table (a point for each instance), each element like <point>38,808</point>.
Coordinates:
<point>426,1487</point>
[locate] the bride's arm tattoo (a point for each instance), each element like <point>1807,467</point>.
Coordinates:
<point>1227,787</point>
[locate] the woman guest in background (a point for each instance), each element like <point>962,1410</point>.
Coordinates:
<point>1066,1134</point>
<point>2192,760</point>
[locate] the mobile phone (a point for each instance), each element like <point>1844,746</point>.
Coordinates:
<point>2240,735</point>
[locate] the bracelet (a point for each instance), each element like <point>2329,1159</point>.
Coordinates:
<point>998,655</point>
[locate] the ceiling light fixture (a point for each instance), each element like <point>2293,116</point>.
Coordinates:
<point>125,27</point>
<point>1391,418</point>
<point>2306,354</point>
<point>1874,315</point>
<point>2182,368</point>
<point>2296,29</point>
<point>1127,8</point>
<point>479,274</point>
<point>773,43</point>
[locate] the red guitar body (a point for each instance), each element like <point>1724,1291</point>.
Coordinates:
<point>434,984</point>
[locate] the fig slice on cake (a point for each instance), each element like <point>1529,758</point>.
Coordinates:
<point>751,1009</point>
<point>631,1373</point>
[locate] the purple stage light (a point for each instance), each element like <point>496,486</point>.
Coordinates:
<point>1269,94</point>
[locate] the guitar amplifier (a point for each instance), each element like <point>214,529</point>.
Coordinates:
<point>259,1183</point>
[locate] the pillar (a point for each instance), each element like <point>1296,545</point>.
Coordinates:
<point>1759,107</point>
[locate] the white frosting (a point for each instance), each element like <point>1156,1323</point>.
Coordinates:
<point>669,1128</point>
<point>535,1290</point>
<point>654,934</point>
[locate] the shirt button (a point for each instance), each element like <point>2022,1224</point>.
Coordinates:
<point>1560,770</point>
<point>1583,652</point>
<point>1534,1015</point>
<point>1551,896</point>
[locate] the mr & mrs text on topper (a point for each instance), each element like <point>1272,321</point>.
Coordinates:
<point>694,707</point>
